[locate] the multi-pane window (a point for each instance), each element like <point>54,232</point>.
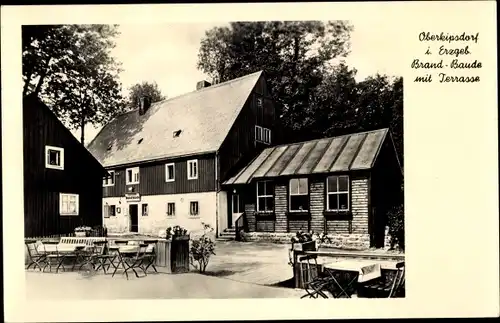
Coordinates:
<point>170,172</point>
<point>192,166</point>
<point>170,208</point>
<point>262,134</point>
<point>236,204</point>
<point>109,210</point>
<point>68,204</point>
<point>194,208</point>
<point>299,194</point>
<point>145,209</point>
<point>110,179</point>
<point>132,175</point>
<point>54,157</point>
<point>265,196</point>
<point>337,193</point>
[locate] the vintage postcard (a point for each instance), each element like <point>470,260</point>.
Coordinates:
<point>321,160</point>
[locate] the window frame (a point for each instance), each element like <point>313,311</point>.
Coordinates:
<point>298,194</point>
<point>112,177</point>
<point>198,209</point>
<point>127,182</point>
<point>338,192</point>
<point>261,132</point>
<point>264,196</point>
<point>189,163</point>
<point>144,209</point>
<point>167,180</point>
<point>173,214</point>
<point>61,157</point>
<point>77,206</point>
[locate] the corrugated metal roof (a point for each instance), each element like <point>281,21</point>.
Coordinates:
<point>204,118</point>
<point>328,155</point>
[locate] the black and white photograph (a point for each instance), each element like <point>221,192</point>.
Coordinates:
<point>246,157</point>
<point>277,173</point>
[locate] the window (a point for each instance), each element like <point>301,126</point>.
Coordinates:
<point>236,204</point>
<point>171,209</point>
<point>133,175</point>
<point>170,172</point>
<point>145,210</point>
<point>110,179</point>
<point>193,208</point>
<point>262,134</point>
<point>54,157</point>
<point>299,194</point>
<point>68,204</point>
<point>265,197</point>
<point>192,169</point>
<point>337,193</point>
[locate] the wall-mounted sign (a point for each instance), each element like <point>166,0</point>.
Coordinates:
<point>132,197</point>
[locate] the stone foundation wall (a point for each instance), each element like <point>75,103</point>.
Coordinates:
<point>353,241</point>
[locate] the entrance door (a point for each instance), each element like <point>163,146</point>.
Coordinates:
<point>133,211</point>
<point>235,210</point>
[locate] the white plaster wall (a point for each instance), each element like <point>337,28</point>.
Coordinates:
<point>157,218</point>
<point>222,211</point>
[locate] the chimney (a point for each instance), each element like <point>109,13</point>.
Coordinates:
<point>144,104</point>
<point>202,84</point>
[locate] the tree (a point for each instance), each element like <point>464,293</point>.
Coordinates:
<point>150,90</point>
<point>70,68</point>
<point>294,54</point>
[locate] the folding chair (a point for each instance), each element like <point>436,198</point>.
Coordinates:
<point>389,288</point>
<point>102,257</point>
<point>136,261</point>
<point>150,255</point>
<point>52,256</point>
<point>35,258</point>
<point>314,286</point>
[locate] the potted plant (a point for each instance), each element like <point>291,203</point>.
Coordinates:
<point>177,233</point>
<point>303,241</point>
<point>82,231</point>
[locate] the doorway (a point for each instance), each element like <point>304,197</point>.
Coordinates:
<point>133,211</point>
<point>235,210</point>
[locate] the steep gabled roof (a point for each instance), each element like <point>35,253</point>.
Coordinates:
<point>204,118</point>
<point>328,155</point>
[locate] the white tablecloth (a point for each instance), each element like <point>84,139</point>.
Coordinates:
<point>367,271</point>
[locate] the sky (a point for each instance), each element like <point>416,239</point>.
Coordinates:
<point>167,54</point>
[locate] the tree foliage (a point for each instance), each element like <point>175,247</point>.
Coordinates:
<point>316,93</point>
<point>150,90</point>
<point>71,69</point>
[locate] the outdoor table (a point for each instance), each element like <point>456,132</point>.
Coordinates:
<point>63,251</point>
<point>365,271</point>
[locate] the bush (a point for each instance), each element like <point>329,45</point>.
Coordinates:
<point>201,249</point>
<point>175,231</point>
<point>396,222</point>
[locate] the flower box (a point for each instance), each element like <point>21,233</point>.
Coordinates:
<point>180,238</point>
<point>80,234</point>
<point>305,246</point>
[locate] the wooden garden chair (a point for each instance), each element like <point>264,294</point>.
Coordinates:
<point>389,288</point>
<point>102,257</point>
<point>131,263</point>
<point>150,255</point>
<point>35,257</point>
<point>314,286</point>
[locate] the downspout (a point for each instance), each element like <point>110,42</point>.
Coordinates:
<point>216,196</point>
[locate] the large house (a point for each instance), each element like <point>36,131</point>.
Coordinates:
<point>342,186</point>
<point>62,180</point>
<point>167,160</point>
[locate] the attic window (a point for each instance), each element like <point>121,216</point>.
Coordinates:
<point>177,133</point>
<point>139,141</point>
<point>110,146</point>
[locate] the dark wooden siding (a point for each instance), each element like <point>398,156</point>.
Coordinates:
<point>82,175</point>
<point>152,178</point>
<point>240,147</point>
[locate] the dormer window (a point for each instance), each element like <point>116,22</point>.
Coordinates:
<point>139,141</point>
<point>54,157</point>
<point>177,133</point>
<point>110,146</point>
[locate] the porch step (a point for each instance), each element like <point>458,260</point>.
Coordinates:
<point>227,234</point>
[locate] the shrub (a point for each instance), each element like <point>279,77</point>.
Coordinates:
<point>175,231</point>
<point>201,249</point>
<point>396,222</point>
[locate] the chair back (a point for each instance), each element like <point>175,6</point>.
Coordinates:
<point>399,279</point>
<point>307,275</point>
<point>53,249</point>
<point>141,250</point>
<point>121,242</point>
<point>99,247</point>
<point>151,245</point>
